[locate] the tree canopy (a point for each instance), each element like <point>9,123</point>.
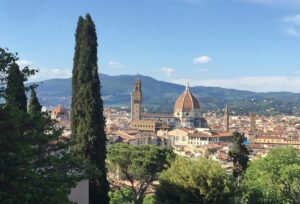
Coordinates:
<point>136,167</point>
<point>240,154</point>
<point>193,181</point>
<point>87,117</point>
<point>273,179</point>
<point>15,89</point>
<point>34,104</point>
<point>35,164</point>
<point>6,58</point>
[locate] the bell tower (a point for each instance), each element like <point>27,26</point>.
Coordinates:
<point>252,131</point>
<point>226,119</point>
<point>136,100</point>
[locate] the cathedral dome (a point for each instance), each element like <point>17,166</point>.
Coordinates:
<point>60,112</point>
<point>186,102</point>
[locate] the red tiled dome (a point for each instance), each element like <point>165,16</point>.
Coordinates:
<point>186,102</point>
<point>60,111</point>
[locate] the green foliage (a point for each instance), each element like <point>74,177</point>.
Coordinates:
<point>139,165</point>
<point>149,199</point>
<point>35,165</point>
<point>124,196</point>
<point>240,154</point>
<point>117,197</point>
<point>12,80</point>
<point>6,58</point>
<point>273,179</point>
<point>87,108</point>
<point>75,100</point>
<point>193,181</point>
<point>15,90</point>
<point>34,104</point>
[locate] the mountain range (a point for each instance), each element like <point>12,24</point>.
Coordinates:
<point>160,96</point>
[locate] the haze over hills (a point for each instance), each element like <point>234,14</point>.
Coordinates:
<point>160,96</point>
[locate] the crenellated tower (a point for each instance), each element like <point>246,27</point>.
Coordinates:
<point>136,101</point>
<point>226,119</point>
<point>252,132</point>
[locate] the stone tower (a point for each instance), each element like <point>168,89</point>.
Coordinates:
<point>136,101</point>
<point>252,132</point>
<point>226,119</point>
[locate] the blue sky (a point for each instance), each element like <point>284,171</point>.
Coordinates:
<point>242,44</point>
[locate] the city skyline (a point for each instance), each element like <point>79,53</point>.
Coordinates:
<point>242,44</point>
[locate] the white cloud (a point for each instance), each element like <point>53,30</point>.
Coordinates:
<point>293,19</point>
<point>293,24</point>
<point>168,71</point>
<point>292,31</point>
<point>44,74</point>
<point>202,59</point>
<point>258,83</point>
<point>114,65</point>
<point>24,62</point>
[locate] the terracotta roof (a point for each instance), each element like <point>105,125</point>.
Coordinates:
<point>201,134</point>
<point>130,132</point>
<point>186,129</point>
<point>210,134</point>
<point>165,127</point>
<point>225,134</point>
<point>59,109</point>
<point>128,137</point>
<point>256,146</point>
<point>157,115</point>
<point>210,146</point>
<point>223,156</point>
<point>269,137</point>
<point>124,135</point>
<point>186,102</point>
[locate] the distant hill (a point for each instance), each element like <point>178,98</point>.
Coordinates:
<point>160,96</point>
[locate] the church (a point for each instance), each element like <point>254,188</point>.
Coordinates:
<point>136,120</point>
<point>185,128</point>
<point>187,113</point>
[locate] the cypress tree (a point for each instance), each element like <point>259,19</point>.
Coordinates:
<point>87,108</point>
<point>74,105</point>
<point>239,154</point>
<point>15,90</point>
<point>34,105</point>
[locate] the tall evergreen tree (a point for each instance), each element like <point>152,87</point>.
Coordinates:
<point>240,154</point>
<point>36,166</point>
<point>74,104</point>
<point>6,58</point>
<point>34,104</point>
<point>87,108</point>
<point>15,90</point>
